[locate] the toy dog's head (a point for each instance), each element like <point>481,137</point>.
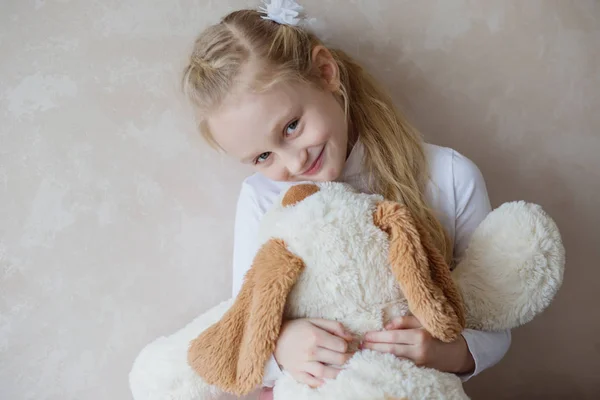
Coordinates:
<point>232,353</point>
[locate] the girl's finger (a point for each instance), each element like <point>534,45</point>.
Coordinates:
<point>332,342</point>
<point>333,327</point>
<point>327,356</point>
<point>407,322</point>
<point>320,371</point>
<point>399,350</point>
<point>402,336</point>
<point>305,377</point>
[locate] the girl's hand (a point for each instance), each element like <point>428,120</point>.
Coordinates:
<point>406,338</point>
<point>309,349</point>
<point>265,394</point>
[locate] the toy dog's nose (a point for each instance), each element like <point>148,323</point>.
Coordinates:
<point>297,193</point>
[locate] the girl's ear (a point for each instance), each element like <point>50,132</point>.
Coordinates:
<point>422,272</point>
<point>327,67</point>
<point>232,353</point>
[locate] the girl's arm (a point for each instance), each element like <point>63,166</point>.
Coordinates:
<point>404,336</point>
<point>472,206</point>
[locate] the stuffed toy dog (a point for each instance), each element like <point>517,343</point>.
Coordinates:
<point>330,252</point>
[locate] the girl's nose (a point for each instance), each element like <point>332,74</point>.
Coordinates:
<point>295,162</point>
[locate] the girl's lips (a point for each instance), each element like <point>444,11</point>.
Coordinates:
<point>316,166</point>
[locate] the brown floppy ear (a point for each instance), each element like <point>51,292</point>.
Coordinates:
<point>232,353</point>
<point>422,272</point>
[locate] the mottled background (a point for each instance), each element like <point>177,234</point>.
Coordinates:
<point>116,221</point>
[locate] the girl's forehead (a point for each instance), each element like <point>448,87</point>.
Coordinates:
<point>254,106</point>
<point>269,98</point>
<point>266,106</point>
<point>278,95</point>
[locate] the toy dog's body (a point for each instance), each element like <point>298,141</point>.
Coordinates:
<point>347,279</point>
<point>329,252</point>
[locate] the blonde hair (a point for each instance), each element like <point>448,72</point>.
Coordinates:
<point>394,154</point>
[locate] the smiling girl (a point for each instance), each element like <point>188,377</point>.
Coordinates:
<point>269,93</point>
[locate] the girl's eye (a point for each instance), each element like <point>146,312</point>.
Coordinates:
<point>262,158</point>
<point>291,127</point>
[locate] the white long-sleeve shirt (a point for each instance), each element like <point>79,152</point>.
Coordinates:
<point>457,194</point>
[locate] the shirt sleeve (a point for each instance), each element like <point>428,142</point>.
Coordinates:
<point>245,247</point>
<point>472,206</point>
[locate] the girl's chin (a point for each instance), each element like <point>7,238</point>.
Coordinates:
<point>315,178</point>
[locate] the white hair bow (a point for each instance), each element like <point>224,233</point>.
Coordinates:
<point>282,11</point>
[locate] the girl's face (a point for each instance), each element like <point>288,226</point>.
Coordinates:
<point>291,132</point>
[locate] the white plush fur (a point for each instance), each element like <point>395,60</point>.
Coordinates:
<point>161,371</point>
<point>376,376</point>
<point>513,267</point>
<point>510,273</point>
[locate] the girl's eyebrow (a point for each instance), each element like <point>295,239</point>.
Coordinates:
<point>249,158</point>
<point>282,121</point>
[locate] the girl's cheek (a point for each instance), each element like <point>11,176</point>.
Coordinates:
<point>322,136</point>
<point>276,174</point>
<point>333,174</point>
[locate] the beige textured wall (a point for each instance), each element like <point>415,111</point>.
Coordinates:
<point>115,221</point>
